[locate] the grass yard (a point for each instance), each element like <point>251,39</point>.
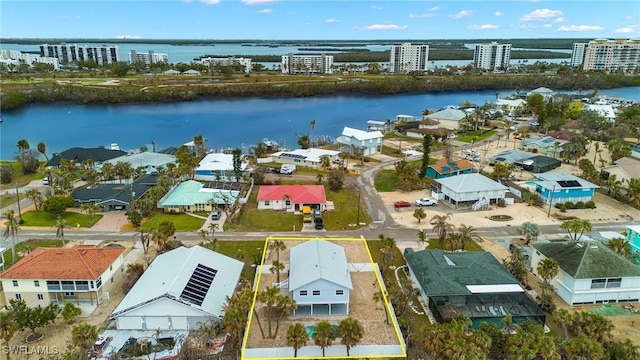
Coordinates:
<point>250,252</point>
<point>390,151</point>
<point>469,245</point>
<point>43,218</point>
<point>481,135</point>
<point>8,198</point>
<point>182,222</point>
<point>18,177</point>
<point>345,214</point>
<point>25,247</point>
<point>252,219</point>
<point>386,180</point>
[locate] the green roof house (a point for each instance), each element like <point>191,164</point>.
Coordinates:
<point>590,273</point>
<point>473,284</point>
<point>193,195</point>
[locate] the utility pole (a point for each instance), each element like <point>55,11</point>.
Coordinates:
<point>358,216</point>
<point>551,200</point>
<point>19,212</point>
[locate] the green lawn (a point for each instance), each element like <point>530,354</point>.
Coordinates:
<point>386,180</point>
<point>481,134</point>
<point>18,177</point>
<point>469,245</point>
<point>390,151</point>
<point>8,199</point>
<point>183,222</point>
<point>43,218</point>
<point>250,252</point>
<point>24,247</point>
<point>345,213</point>
<point>252,219</point>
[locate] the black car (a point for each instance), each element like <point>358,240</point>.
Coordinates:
<point>216,215</point>
<point>318,223</point>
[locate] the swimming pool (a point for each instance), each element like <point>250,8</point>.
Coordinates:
<point>312,329</point>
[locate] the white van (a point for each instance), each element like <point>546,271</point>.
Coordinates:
<point>45,181</point>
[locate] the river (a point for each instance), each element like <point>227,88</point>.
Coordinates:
<point>223,122</point>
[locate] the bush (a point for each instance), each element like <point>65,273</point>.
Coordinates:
<point>557,205</point>
<point>6,173</point>
<point>580,205</point>
<point>501,203</point>
<point>563,208</point>
<point>569,205</point>
<point>590,204</point>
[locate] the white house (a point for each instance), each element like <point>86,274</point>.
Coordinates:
<point>590,273</point>
<point>319,279</point>
<point>545,92</point>
<point>180,289</point>
<point>510,105</point>
<point>150,161</point>
<point>311,157</point>
<point>469,190</point>
<point>448,118</point>
<point>370,142</point>
<point>217,167</point>
<point>605,110</point>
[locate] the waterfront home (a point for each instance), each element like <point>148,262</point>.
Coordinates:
<point>382,126</point>
<point>291,197</point>
<point>83,275</point>
<point>217,167</point>
<point>181,290</point>
<point>311,157</point>
<point>445,168</point>
<point>473,284</point>
<point>607,111</point>
<point>633,237</point>
<point>79,155</point>
<point>474,191</point>
<point>510,106</point>
<point>545,92</point>
<point>556,188</point>
<point>353,140</point>
<point>193,196</point>
<point>448,118</point>
<point>149,161</point>
<point>319,279</point>
<point>590,272</point>
<point>115,195</point>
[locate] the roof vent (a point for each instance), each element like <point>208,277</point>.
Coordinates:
<point>579,245</point>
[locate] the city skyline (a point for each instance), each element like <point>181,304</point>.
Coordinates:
<point>318,20</point>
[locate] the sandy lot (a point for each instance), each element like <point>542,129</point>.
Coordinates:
<point>370,315</point>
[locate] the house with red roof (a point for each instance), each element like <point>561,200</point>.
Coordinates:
<point>291,197</point>
<point>83,275</point>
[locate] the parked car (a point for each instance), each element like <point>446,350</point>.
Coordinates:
<point>318,223</point>
<point>523,251</point>
<point>401,204</point>
<point>45,181</point>
<point>216,215</point>
<point>425,201</point>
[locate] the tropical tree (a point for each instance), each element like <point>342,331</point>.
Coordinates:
<point>517,265</point>
<point>84,335</point>
<point>323,335</point>
<point>350,333</point>
<point>633,191</point>
<point>90,210</point>
<point>454,240</point>
<point>285,306</point>
<point>548,269</point>
<point>582,347</point>
<point>422,237</point>
<point>426,150</point>
<point>8,328</point>
<point>42,149</point>
<point>304,141</point>
<point>200,147</point>
<point>380,297</point>
<point>277,246</point>
<point>23,145</point>
<point>61,225</point>
<point>236,309</point>
<point>70,312</point>
<point>297,337</point>
<point>11,228</point>
<point>621,247</point>
<point>203,234</point>
<point>530,230</point>
<point>442,227</point>
<point>213,227</point>
<point>564,318</point>
<point>35,196</point>
<point>319,178</point>
<point>419,214</point>
<point>466,234</point>
<point>276,267</point>
<point>613,184</point>
<point>135,218</point>
<point>270,297</point>
<point>575,228</point>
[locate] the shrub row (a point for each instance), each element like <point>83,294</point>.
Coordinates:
<point>579,205</point>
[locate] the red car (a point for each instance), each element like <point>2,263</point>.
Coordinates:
<point>401,204</point>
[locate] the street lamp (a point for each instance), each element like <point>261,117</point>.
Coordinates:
<point>19,212</point>
<point>358,212</point>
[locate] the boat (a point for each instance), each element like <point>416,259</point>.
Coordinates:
<point>270,144</point>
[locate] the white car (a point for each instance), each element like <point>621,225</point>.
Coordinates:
<point>425,201</point>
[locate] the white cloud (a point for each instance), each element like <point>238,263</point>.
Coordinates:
<point>423,15</point>
<point>560,19</point>
<point>579,28</point>
<point>435,8</point>
<point>482,27</point>
<point>265,11</point>
<point>331,21</point>
<point>128,37</point>
<point>531,26</point>
<point>382,27</point>
<point>257,2</point>
<point>498,13</point>
<point>461,14</point>
<point>626,30</point>
<point>210,2</point>
<point>541,15</point>
<point>374,7</point>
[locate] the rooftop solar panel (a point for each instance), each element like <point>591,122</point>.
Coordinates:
<point>198,285</point>
<point>568,183</point>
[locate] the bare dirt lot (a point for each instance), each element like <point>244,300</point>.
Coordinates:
<point>371,315</point>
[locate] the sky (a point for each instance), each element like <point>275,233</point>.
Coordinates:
<point>318,20</point>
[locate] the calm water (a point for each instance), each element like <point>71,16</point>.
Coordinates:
<point>224,123</point>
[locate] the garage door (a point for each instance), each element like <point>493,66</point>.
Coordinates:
<point>129,323</point>
<point>179,322</point>
<point>160,322</point>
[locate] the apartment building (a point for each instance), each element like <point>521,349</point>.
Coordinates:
<point>67,53</point>
<point>612,55</point>
<point>148,57</point>
<point>405,58</point>
<point>227,61</point>
<point>16,57</point>
<point>492,56</point>
<point>577,54</point>
<point>307,64</point>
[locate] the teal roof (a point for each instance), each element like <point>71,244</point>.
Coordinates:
<point>441,273</point>
<point>191,192</point>
<point>588,259</point>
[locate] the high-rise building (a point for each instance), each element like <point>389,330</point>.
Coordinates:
<point>68,53</point>
<point>577,54</point>
<point>307,64</point>
<point>227,61</point>
<point>406,57</point>
<point>148,57</point>
<point>492,56</point>
<point>612,55</point>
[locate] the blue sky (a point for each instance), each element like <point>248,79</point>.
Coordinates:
<point>307,19</point>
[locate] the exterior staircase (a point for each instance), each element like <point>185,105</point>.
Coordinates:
<point>481,204</point>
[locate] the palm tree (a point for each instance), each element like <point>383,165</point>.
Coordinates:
<point>548,269</point>
<point>42,149</point>
<point>297,337</point>
<point>613,184</point>
<point>84,335</point>
<point>276,267</point>
<point>442,227</point>
<point>422,237</point>
<point>23,145</point>
<point>286,201</point>
<point>270,298</point>
<point>285,306</point>
<point>530,230</point>
<point>203,234</point>
<point>323,335</point>
<point>620,246</point>
<point>277,246</point>
<point>350,332</point>
<point>198,141</point>
<point>633,191</point>
<point>319,178</point>
<point>564,318</point>
<point>576,228</point>
<point>35,196</point>
<point>454,240</point>
<point>8,328</point>
<point>466,234</point>
<point>12,226</point>
<point>212,228</point>
<point>419,214</point>
<point>379,297</point>
<point>61,225</point>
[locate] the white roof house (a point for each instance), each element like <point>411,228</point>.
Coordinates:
<point>311,157</point>
<point>217,166</point>
<point>470,190</point>
<point>544,91</point>
<point>319,278</point>
<point>510,104</point>
<point>148,160</point>
<point>178,290</point>
<point>448,118</point>
<point>605,110</point>
<point>370,142</point>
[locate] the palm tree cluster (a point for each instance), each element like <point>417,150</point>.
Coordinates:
<point>447,233</point>
<point>547,269</point>
<point>236,311</point>
<point>349,330</point>
<point>276,306</point>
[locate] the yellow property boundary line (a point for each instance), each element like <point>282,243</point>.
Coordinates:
<point>392,316</point>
